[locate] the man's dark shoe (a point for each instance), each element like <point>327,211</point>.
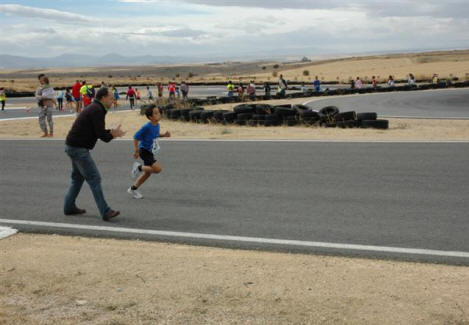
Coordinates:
<point>75,212</point>
<point>110,215</point>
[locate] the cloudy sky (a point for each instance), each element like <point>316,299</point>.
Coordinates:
<point>229,28</point>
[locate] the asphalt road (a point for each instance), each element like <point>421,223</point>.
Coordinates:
<point>401,195</point>
<point>447,103</point>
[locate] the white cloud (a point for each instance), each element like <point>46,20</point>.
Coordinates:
<point>49,14</point>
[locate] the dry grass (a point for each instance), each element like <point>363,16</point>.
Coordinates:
<point>422,65</point>
<point>70,280</point>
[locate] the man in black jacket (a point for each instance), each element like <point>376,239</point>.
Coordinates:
<point>82,137</point>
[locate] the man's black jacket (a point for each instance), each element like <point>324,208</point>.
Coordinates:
<point>89,127</point>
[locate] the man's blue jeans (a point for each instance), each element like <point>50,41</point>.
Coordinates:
<point>84,168</point>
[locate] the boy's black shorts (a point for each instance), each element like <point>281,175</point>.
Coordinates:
<point>147,157</point>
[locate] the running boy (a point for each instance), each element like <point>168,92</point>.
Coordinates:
<point>146,146</point>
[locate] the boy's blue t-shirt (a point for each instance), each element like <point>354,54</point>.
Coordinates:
<point>146,135</point>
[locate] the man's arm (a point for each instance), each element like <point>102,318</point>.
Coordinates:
<point>165,135</point>
<point>99,127</point>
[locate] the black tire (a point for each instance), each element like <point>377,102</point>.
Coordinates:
<point>263,109</point>
<point>292,122</point>
<point>218,115</point>
<point>244,116</point>
<point>205,115</point>
<point>258,117</point>
<point>271,118</point>
<point>375,124</point>
<point>175,114</point>
<point>329,110</point>
<point>195,115</point>
<point>346,116</point>
<point>241,109</point>
<point>301,108</point>
<point>241,122</point>
<point>352,124</point>
<point>229,116</point>
<point>341,124</point>
<point>310,114</point>
<point>284,112</point>
<point>367,116</point>
<point>252,123</point>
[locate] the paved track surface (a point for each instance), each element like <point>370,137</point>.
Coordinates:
<point>447,103</point>
<point>405,195</point>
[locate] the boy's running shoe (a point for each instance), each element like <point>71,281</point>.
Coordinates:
<point>135,172</point>
<point>136,194</point>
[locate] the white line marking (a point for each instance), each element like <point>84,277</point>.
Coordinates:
<point>267,140</point>
<point>6,232</point>
<point>54,116</point>
<point>258,240</point>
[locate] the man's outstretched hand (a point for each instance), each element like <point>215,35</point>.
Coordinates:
<point>117,132</point>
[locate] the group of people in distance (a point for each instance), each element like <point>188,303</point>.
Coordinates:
<point>250,90</point>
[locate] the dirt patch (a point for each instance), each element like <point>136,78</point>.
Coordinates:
<point>400,129</point>
<point>68,280</point>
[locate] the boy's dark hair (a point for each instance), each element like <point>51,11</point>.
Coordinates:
<point>102,92</point>
<point>149,110</point>
<point>40,76</point>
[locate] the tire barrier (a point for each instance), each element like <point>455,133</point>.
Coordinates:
<point>286,115</point>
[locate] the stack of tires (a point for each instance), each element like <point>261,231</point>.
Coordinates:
<point>287,115</point>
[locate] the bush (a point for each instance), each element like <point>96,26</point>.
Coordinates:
<point>276,66</point>
<point>305,73</point>
<point>274,74</point>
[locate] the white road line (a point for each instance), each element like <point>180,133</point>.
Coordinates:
<point>242,239</point>
<point>6,232</point>
<point>54,116</point>
<point>266,140</point>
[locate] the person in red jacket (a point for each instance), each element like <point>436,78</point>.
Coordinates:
<point>131,95</point>
<point>77,96</point>
<point>172,90</point>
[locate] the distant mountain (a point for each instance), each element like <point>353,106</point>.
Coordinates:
<point>74,60</point>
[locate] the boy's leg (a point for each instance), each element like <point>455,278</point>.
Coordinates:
<point>147,171</point>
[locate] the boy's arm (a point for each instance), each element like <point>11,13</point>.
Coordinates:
<point>165,135</point>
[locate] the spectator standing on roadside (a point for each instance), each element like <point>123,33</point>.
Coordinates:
<point>45,96</point>
<point>391,82</point>
<point>411,80</point>
<point>3,98</point>
<point>374,82</point>
<point>77,96</point>
<point>240,91</point>
<point>251,90</point>
<point>60,100</point>
<point>435,79</point>
<point>172,90</point>
<point>149,93</point>
<point>115,97</point>
<point>230,87</point>
<point>358,83</point>
<point>184,89</point>
<point>131,97</point>
<point>267,90</point>
<point>283,86</point>
<point>303,88</point>
<point>160,90</point>
<point>82,137</point>
<point>68,100</point>
<point>317,84</point>
<point>137,95</point>
<point>352,84</point>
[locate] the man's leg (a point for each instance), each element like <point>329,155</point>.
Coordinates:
<point>88,169</point>
<point>75,187</point>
